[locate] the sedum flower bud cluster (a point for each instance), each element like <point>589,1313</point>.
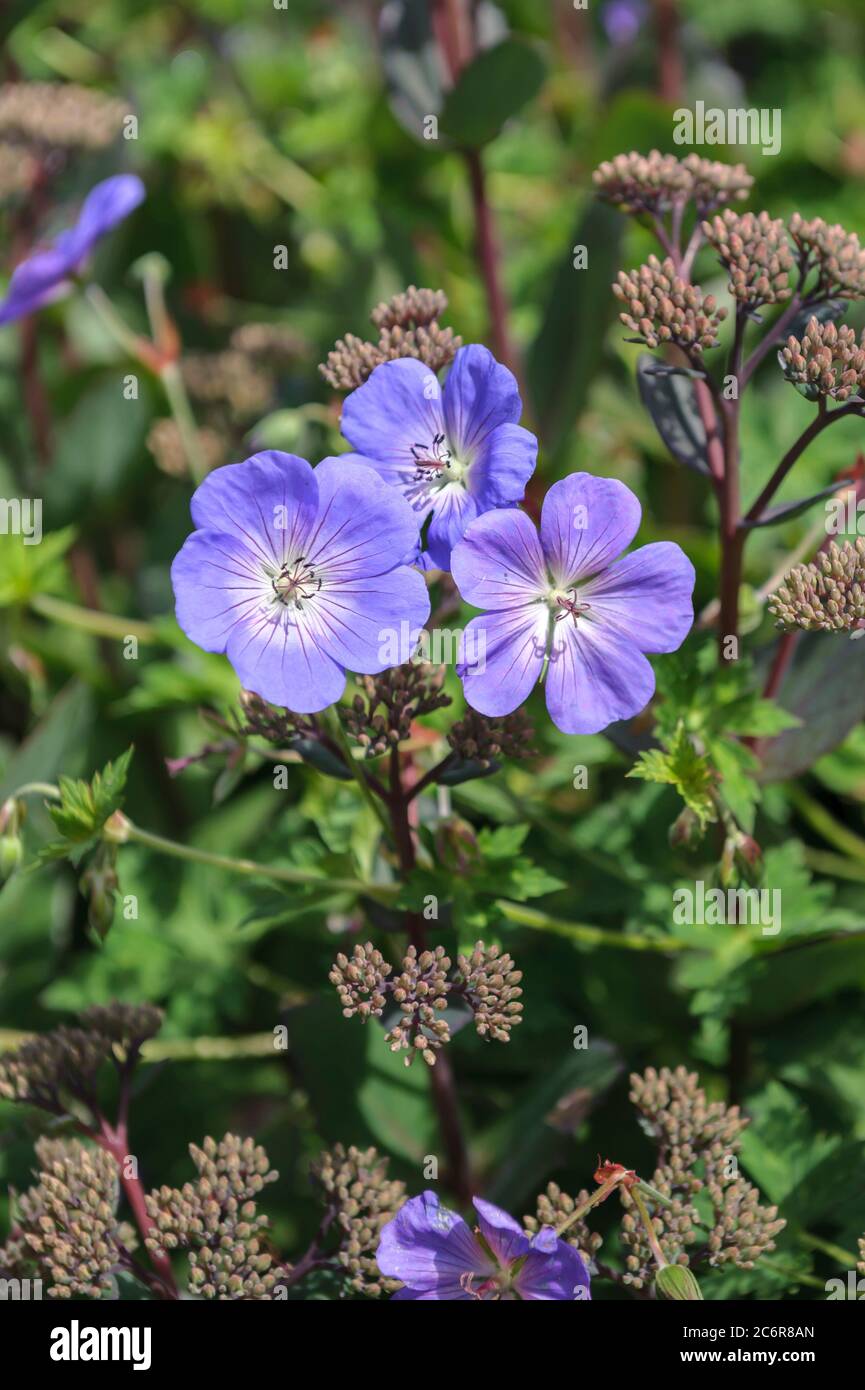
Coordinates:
<point>661,307</point>
<point>486,982</point>
<point>360,1200</point>
<point>59,114</point>
<point>67,1223</point>
<point>697,1143</point>
<point>655,182</point>
<point>827,595</point>
<point>828,361</point>
<point>835,253</point>
<point>408,327</point>
<point>216,1220</point>
<point>754,249</point>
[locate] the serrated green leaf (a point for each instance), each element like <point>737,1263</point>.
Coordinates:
<point>680,766</point>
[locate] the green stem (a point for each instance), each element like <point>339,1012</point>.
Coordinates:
<point>651,1234</point>
<point>125,337</point>
<point>175,391</point>
<point>827,1247</point>
<point>249,868</point>
<point>357,773</point>
<point>584,934</point>
<point>825,824</point>
<point>90,620</point>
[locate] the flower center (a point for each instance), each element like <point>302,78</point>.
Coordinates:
<point>567,603</point>
<point>435,463</point>
<point>295,583</point>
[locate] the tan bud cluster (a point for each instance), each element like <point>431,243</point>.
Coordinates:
<point>836,254</point>
<point>408,327</point>
<point>59,114</point>
<point>360,981</point>
<point>663,308</point>
<point>827,595</point>
<point>217,1221</point>
<point>127,1025</point>
<point>67,1222</point>
<point>43,1071</point>
<point>696,1141</point>
<point>492,990</point>
<point>829,360</point>
<point>421,993</point>
<point>656,182</point>
<point>18,170</point>
<point>354,1185</point>
<point>755,250</point>
<point>232,378</point>
<point>165,443</point>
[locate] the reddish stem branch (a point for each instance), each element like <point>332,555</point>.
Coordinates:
<point>489,261</point>
<point>116,1143</point>
<point>442,1083</point>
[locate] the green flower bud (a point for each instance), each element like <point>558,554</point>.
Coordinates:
<point>686,831</point>
<point>677,1282</point>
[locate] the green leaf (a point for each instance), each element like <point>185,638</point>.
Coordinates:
<point>86,806</point>
<point>26,570</point>
<point>825,689</point>
<point>568,350</point>
<point>491,89</point>
<point>681,766</point>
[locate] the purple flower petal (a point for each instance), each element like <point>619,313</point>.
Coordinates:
<point>453,510</point>
<point>479,395</point>
<point>363,526</point>
<point>499,562</point>
<point>504,461</point>
<point>41,278</point>
<point>430,1249</point>
<point>285,663</point>
<point>105,205</point>
<point>505,1237</point>
<point>502,655</point>
<point>586,522</point>
<point>269,503</point>
<point>217,584</point>
<point>369,623</point>
<point>398,409</point>
<point>595,676</point>
<point>557,1275</point>
<point>646,596</point>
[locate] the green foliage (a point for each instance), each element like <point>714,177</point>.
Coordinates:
<point>681,766</point>
<point>85,807</point>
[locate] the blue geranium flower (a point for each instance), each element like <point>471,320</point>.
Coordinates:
<point>44,275</point>
<point>454,451</point>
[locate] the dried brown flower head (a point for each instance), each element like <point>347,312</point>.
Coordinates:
<point>408,327</point>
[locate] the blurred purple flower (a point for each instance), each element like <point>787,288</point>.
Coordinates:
<point>437,1256</point>
<point>565,599</point>
<point>454,451</point>
<point>42,277</point>
<point>295,573</point>
<point>622,19</point>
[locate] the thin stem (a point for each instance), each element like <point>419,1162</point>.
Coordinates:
<point>821,421</point>
<point>249,868</point>
<point>35,396</point>
<point>172,380</point>
<point>430,777</point>
<point>442,1082</point>
<point>91,620</point>
<point>586,935</point>
<point>357,772</point>
<point>771,338</point>
<point>133,344</point>
<point>116,1143</point>
<point>825,824</point>
<point>651,1234</point>
<point>489,260</point>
